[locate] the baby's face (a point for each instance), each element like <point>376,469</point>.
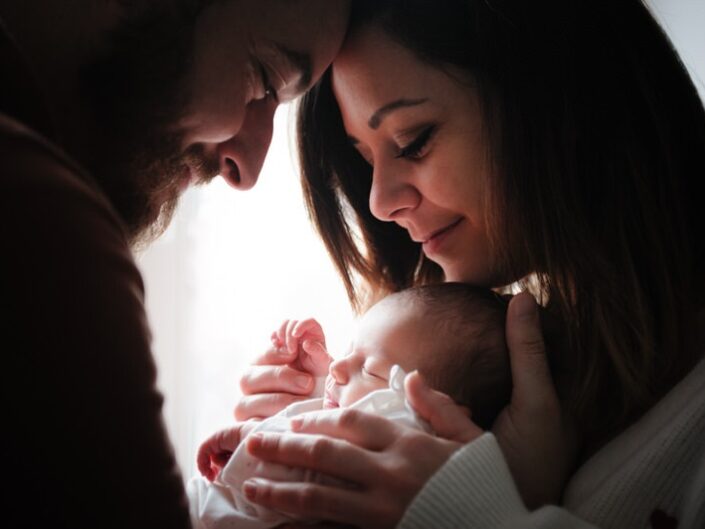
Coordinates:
<point>389,333</point>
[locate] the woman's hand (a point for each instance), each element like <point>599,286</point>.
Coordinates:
<point>286,372</point>
<point>537,438</point>
<point>378,458</point>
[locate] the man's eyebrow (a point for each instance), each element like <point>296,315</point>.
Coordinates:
<point>376,120</point>
<point>301,62</point>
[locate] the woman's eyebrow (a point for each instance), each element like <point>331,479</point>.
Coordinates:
<point>376,120</point>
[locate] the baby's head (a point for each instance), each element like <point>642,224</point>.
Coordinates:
<point>452,333</point>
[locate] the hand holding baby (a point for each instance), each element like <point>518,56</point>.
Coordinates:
<point>286,372</point>
<point>303,345</point>
<point>380,457</point>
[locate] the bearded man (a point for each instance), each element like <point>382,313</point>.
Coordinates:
<point>109,109</point>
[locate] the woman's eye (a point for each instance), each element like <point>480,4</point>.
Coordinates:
<point>416,149</point>
<point>267,88</point>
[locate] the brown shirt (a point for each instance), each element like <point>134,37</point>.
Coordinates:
<point>84,444</point>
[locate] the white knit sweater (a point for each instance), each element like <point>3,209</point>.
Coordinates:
<point>652,476</point>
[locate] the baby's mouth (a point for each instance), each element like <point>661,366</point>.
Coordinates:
<point>329,401</point>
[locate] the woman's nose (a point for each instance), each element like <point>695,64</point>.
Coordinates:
<point>391,195</point>
<point>242,156</point>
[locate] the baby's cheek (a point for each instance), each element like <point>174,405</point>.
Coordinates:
<point>362,389</point>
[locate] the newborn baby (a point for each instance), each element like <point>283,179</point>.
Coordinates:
<point>452,333</point>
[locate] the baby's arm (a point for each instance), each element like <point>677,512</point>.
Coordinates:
<point>215,451</point>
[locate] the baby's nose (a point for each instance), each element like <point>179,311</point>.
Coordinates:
<point>338,371</point>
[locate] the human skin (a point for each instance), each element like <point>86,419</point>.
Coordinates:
<point>421,129</point>
<point>231,109</point>
<point>425,182</point>
<point>435,189</point>
<point>152,98</point>
<point>391,332</point>
<point>381,458</point>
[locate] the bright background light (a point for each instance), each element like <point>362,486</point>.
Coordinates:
<point>233,265</point>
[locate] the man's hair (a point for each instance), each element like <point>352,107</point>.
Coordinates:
<point>468,358</point>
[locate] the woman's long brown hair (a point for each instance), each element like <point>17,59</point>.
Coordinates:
<point>597,142</point>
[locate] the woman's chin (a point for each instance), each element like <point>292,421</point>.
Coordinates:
<point>480,278</point>
<point>453,274</point>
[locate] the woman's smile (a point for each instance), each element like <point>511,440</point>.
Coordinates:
<point>421,130</point>
<point>433,244</point>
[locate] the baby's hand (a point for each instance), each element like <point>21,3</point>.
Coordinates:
<point>215,451</point>
<point>286,372</point>
<point>305,339</point>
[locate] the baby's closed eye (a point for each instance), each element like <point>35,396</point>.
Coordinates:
<point>371,372</point>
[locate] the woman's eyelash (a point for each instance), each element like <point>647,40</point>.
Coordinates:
<point>414,148</point>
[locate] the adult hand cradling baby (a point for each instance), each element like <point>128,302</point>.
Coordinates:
<point>286,372</point>
<point>384,459</point>
<point>556,147</point>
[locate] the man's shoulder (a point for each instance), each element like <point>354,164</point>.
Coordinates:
<point>30,158</point>
<point>32,165</point>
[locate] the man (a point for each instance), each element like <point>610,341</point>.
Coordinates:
<point>108,110</point>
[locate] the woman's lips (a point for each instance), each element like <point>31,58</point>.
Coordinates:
<point>433,243</point>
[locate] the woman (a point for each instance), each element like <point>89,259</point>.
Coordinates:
<point>555,145</point>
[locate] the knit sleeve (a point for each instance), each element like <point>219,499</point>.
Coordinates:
<point>475,489</point>
<point>694,505</point>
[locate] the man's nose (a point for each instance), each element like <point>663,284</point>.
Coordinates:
<point>242,156</point>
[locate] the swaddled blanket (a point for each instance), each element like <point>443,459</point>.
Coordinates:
<point>222,504</point>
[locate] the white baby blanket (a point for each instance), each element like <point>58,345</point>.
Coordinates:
<point>221,504</point>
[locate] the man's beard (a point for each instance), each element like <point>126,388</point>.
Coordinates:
<point>137,91</point>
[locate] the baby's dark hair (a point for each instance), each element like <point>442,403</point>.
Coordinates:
<point>468,359</point>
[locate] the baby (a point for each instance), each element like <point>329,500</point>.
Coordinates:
<point>452,333</point>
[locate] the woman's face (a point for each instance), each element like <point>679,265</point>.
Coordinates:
<point>421,130</point>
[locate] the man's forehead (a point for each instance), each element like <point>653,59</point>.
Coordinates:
<point>299,61</point>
